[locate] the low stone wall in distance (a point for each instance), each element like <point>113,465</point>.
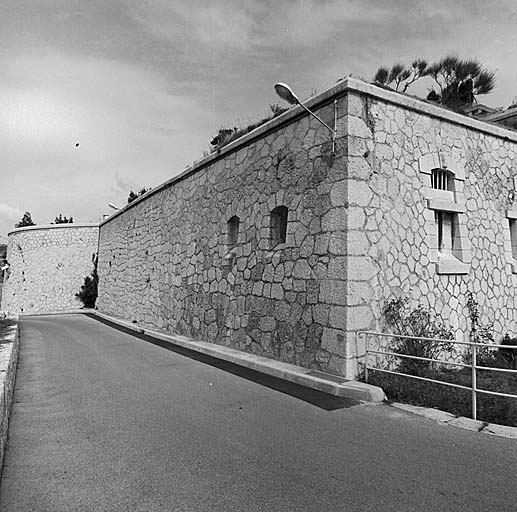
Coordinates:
<point>48,265</point>
<point>9,342</point>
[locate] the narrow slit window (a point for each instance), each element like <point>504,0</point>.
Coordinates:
<point>445,227</point>
<point>278,225</point>
<point>513,237</point>
<point>233,231</point>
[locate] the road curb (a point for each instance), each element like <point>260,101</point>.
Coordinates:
<point>447,418</point>
<point>320,381</point>
<point>8,362</point>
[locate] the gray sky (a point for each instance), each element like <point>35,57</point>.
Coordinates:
<point>143,86</point>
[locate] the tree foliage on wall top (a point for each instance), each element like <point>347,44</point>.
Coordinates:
<point>457,81</point>
<point>63,220</point>
<point>25,221</point>
<point>135,195</point>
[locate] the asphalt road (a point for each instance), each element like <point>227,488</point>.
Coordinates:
<point>105,421</point>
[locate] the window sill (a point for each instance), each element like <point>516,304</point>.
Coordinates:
<point>433,194</point>
<point>446,206</point>
<point>451,265</point>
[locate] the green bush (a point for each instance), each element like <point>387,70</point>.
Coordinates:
<point>89,290</point>
<point>419,323</point>
<point>508,355</point>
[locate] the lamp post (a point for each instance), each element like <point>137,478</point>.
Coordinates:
<point>286,93</point>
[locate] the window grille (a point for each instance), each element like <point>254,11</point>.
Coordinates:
<point>440,179</point>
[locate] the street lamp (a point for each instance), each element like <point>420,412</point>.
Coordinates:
<point>111,205</point>
<point>286,93</point>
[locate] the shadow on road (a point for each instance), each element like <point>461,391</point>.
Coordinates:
<point>312,396</point>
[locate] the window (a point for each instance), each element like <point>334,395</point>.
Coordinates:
<point>233,231</point>
<point>442,176</point>
<point>445,226</point>
<point>441,179</point>
<point>278,225</point>
<point>513,237</point>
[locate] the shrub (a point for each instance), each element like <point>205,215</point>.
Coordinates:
<point>89,290</point>
<point>480,333</point>
<point>419,323</point>
<point>508,355</point>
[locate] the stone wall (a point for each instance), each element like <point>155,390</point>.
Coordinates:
<point>48,265</point>
<point>394,144</point>
<point>10,341</point>
<point>166,261</point>
<point>362,228</point>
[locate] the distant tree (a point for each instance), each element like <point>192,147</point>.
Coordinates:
<point>26,221</point>
<point>63,220</point>
<point>134,195</point>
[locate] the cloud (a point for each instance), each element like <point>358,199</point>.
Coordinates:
<point>241,25</point>
<point>122,184</point>
<point>112,109</point>
<point>7,212</point>
<point>130,127</point>
<point>144,86</point>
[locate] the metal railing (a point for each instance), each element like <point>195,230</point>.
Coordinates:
<point>368,335</point>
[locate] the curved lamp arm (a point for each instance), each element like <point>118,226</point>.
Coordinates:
<point>286,93</point>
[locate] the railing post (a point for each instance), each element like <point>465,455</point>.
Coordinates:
<point>366,348</point>
<point>474,382</point>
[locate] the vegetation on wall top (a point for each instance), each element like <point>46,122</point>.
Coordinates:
<point>63,220</point>
<point>226,135</point>
<point>135,195</point>
<point>25,221</point>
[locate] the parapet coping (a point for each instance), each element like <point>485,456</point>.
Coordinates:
<point>55,226</point>
<point>344,86</point>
